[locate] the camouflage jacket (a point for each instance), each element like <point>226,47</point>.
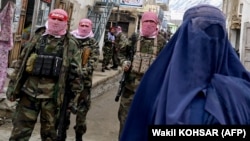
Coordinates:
<point>89,49</point>
<point>146,46</point>
<point>71,66</point>
<point>121,41</point>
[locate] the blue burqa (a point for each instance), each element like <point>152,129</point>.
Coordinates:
<point>197,79</point>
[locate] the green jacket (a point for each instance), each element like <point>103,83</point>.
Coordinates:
<point>71,66</point>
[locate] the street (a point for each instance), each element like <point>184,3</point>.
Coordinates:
<point>102,121</point>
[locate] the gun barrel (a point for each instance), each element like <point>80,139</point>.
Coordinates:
<point>117,98</point>
<point>126,74</point>
<point>118,93</point>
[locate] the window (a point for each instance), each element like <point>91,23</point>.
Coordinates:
<point>43,12</point>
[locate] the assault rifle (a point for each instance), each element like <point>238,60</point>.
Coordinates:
<point>130,56</point>
<point>63,120</point>
<point>62,123</point>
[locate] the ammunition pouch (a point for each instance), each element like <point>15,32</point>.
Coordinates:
<point>38,65</point>
<point>47,66</point>
<point>57,66</point>
<point>142,62</point>
<point>30,63</point>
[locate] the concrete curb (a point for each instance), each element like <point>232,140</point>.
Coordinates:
<point>103,82</point>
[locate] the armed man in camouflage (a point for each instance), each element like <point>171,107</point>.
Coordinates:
<point>121,41</point>
<point>145,49</point>
<point>90,52</point>
<point>41,75</point>
<point>107,49</point>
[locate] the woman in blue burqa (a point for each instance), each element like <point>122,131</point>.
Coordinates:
<point>197,79</point>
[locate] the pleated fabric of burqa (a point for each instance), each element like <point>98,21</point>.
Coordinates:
<point>197,79</point>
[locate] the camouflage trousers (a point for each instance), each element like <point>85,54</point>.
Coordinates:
<point>115,57</point>
<point>84,102</point>
<point>25,118</point>
<point>126,100</point>
<point>107,56</point>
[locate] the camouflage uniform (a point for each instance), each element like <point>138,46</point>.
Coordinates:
<point>84,100</point>
<point>107,49</point>
<point>40,94</point>
<point>146,46</point>
<point>121,42</point>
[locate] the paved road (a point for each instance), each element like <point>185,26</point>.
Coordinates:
<point>102,121</point>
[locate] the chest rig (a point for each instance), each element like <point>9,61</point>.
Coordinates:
<point>49,57</point>
<point>143,59</point>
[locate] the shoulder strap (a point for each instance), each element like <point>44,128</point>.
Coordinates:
<point>138,45</point>
<point>43,41</point>
<point>155,46</point>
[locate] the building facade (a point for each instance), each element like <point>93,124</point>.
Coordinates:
<point>238,26</point>
<point>33,14</point>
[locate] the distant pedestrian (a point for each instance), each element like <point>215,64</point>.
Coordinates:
<point>168,34</point>
<point>107,49</point>
<point>121,41</point>
<point>197,79</point>
<point>41,74</point>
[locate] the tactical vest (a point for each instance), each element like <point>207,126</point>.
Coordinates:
<point>142,61</point>
<point>48,64</point>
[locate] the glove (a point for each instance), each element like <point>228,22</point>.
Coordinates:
<point>126,65</point>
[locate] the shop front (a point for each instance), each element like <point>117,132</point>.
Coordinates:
<point>28,16</point>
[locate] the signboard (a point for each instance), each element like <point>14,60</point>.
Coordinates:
<point>47,1</point>
<point>136,3</point>
<point>162,1</point>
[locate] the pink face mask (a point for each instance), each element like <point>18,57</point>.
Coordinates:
<point>85,27</point>
<point>149,29</point>
<point>57,22</point>
<point>149,24</point>
<point>57,28</point>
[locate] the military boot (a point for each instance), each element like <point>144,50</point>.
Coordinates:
<point>103,70</point>
<point>79,137</point>
<point>106,68</point>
